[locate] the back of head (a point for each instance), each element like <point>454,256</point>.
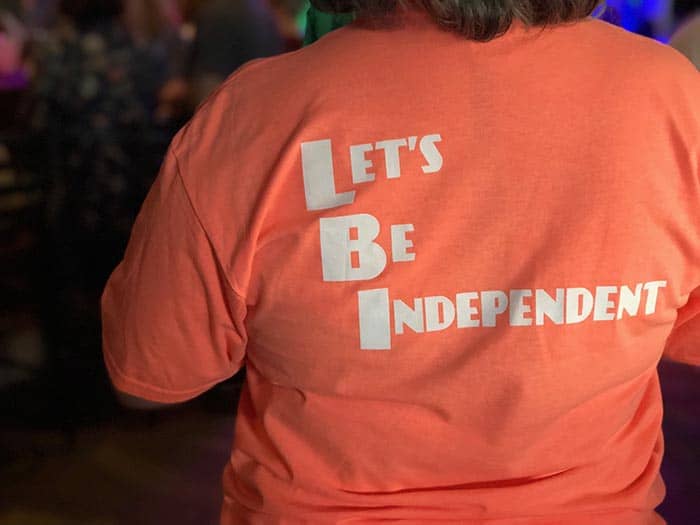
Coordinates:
<point>480,20</point>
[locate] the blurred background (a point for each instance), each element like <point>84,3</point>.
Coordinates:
<point>91,93</point>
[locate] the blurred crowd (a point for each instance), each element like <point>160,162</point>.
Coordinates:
<point>91,94</point>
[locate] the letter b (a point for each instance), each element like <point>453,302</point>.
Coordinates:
<point>337,248</point>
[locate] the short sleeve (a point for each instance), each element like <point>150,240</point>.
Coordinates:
<point>172,326</point>
<point>683,344</point>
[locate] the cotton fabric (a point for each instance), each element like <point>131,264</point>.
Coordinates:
<point>450,269</point>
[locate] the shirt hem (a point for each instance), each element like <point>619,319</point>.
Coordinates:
<point>137,388</point>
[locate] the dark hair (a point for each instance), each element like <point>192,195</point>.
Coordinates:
<point>480,20</point>
<point>88,12</point>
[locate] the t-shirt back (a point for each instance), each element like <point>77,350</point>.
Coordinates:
<point>450,269</point>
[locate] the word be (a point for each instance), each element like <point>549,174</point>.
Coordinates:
<point>348,250</point>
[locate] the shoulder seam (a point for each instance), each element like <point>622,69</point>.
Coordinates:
<point>233,288</point>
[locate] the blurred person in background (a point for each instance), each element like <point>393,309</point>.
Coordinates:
<point>229,34</point>
<point>14,68</point>
<point>154,26</point>
<point>653,18</point>
<point>449,271</point>
<point>687,39</point>
<point>13,38</point>
<point>290,15</point>
<point>319,23</point>
<point>99,73</point>
<point>39,14</point>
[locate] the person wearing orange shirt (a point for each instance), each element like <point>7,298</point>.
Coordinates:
<point>450,244</point>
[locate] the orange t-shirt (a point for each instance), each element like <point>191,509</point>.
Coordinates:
<point>451,269</point>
